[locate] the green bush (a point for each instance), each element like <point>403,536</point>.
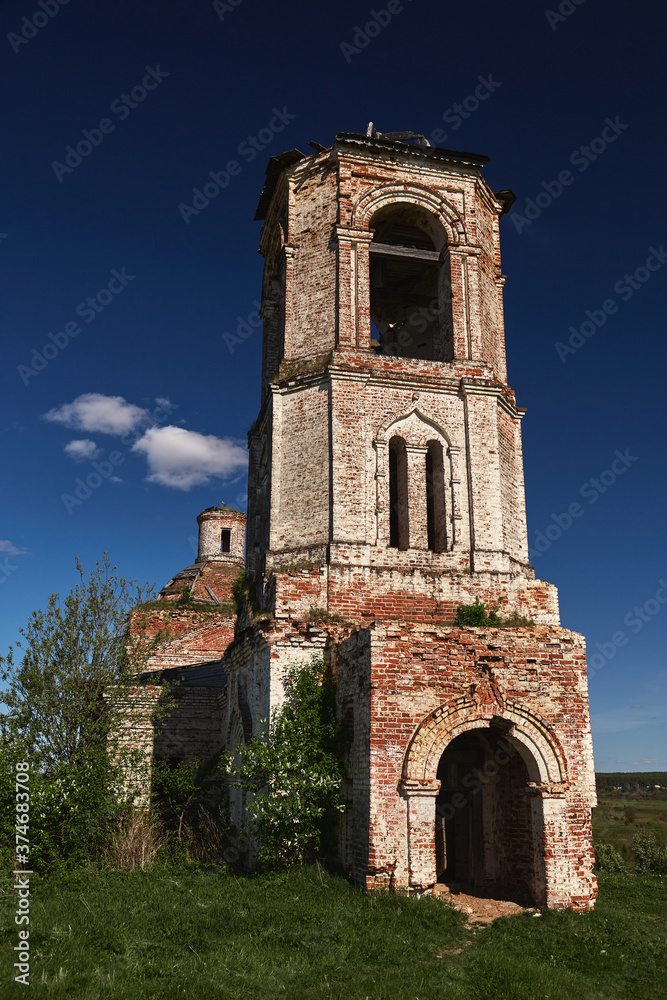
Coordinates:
<point>476,616</point>
<point>71,811</point>
<point>291,774</point>
<point>607,859</point>
<point>650,856</point>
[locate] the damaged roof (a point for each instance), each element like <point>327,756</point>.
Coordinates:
<point>278,163</point>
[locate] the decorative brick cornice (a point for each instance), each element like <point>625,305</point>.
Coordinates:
<point>411,786</point>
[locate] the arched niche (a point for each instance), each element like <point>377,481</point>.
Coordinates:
<point>418,484</point>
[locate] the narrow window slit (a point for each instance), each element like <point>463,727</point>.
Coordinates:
<point>399,534</point>
<point>435,498</point>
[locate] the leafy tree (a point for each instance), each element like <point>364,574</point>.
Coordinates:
<point>291,774</point>
<point>65,709</point>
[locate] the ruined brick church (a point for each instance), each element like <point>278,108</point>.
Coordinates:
<point>385,490</point>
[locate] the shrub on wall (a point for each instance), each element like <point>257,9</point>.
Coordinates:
<point>476,616</point>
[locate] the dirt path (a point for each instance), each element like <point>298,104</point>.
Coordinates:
<point>481,906</point>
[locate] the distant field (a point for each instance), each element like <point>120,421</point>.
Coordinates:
<point>622,814</point>
<point>629,803</point>
<point>616,821</point>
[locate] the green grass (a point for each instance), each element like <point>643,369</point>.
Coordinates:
<point>308,934</point>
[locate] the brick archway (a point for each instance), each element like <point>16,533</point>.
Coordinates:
<point>538,747</point>
<point>545,766</point>
<point>414,194</point>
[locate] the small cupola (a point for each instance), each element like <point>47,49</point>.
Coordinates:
<point>221,535</point>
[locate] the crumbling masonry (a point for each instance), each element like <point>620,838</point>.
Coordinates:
<point>385,489</point>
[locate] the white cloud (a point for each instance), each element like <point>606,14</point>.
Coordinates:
<point>10,548</point>
<point>95,412</point>
<point>83,450</point>
<point>181,459</point>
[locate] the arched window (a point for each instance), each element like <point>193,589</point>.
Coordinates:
<point>399,532</point>
<point>410,284</point>
<point>435,498</point>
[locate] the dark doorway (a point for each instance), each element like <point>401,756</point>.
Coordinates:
<point>484,830</point>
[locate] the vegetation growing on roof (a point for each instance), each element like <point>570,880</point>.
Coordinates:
<point>476,616</point>
<point>303,367</point>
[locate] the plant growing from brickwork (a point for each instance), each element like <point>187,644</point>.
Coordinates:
<point>64,706</point>
<point>245,590</point>
<point>295,567</point>
<point>320,616</point>
<point>304,367</point>
<point>515,620</point>
<point>201,607</point>
<point>476,616</point>
<point>291,774</point>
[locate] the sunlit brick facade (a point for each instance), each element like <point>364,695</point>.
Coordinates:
<point>386,489</point>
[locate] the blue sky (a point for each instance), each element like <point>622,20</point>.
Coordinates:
<point>146,308</point>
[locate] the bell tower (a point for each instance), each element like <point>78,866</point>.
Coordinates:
<point>387,453</point>
<point>385,490</point>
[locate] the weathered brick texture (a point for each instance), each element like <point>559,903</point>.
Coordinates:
<point>195,634</point>
<point>421,687</point>
<point>469,750</point>
<point>385,489</point>
<point>194,727</point>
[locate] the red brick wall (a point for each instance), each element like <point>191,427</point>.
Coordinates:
<point>534,680</point>
<point>195,636</point>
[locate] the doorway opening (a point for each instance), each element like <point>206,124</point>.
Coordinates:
<point>484,823</point>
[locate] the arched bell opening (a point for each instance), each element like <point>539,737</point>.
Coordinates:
<point>410,284</point>
<point>487,833</point>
